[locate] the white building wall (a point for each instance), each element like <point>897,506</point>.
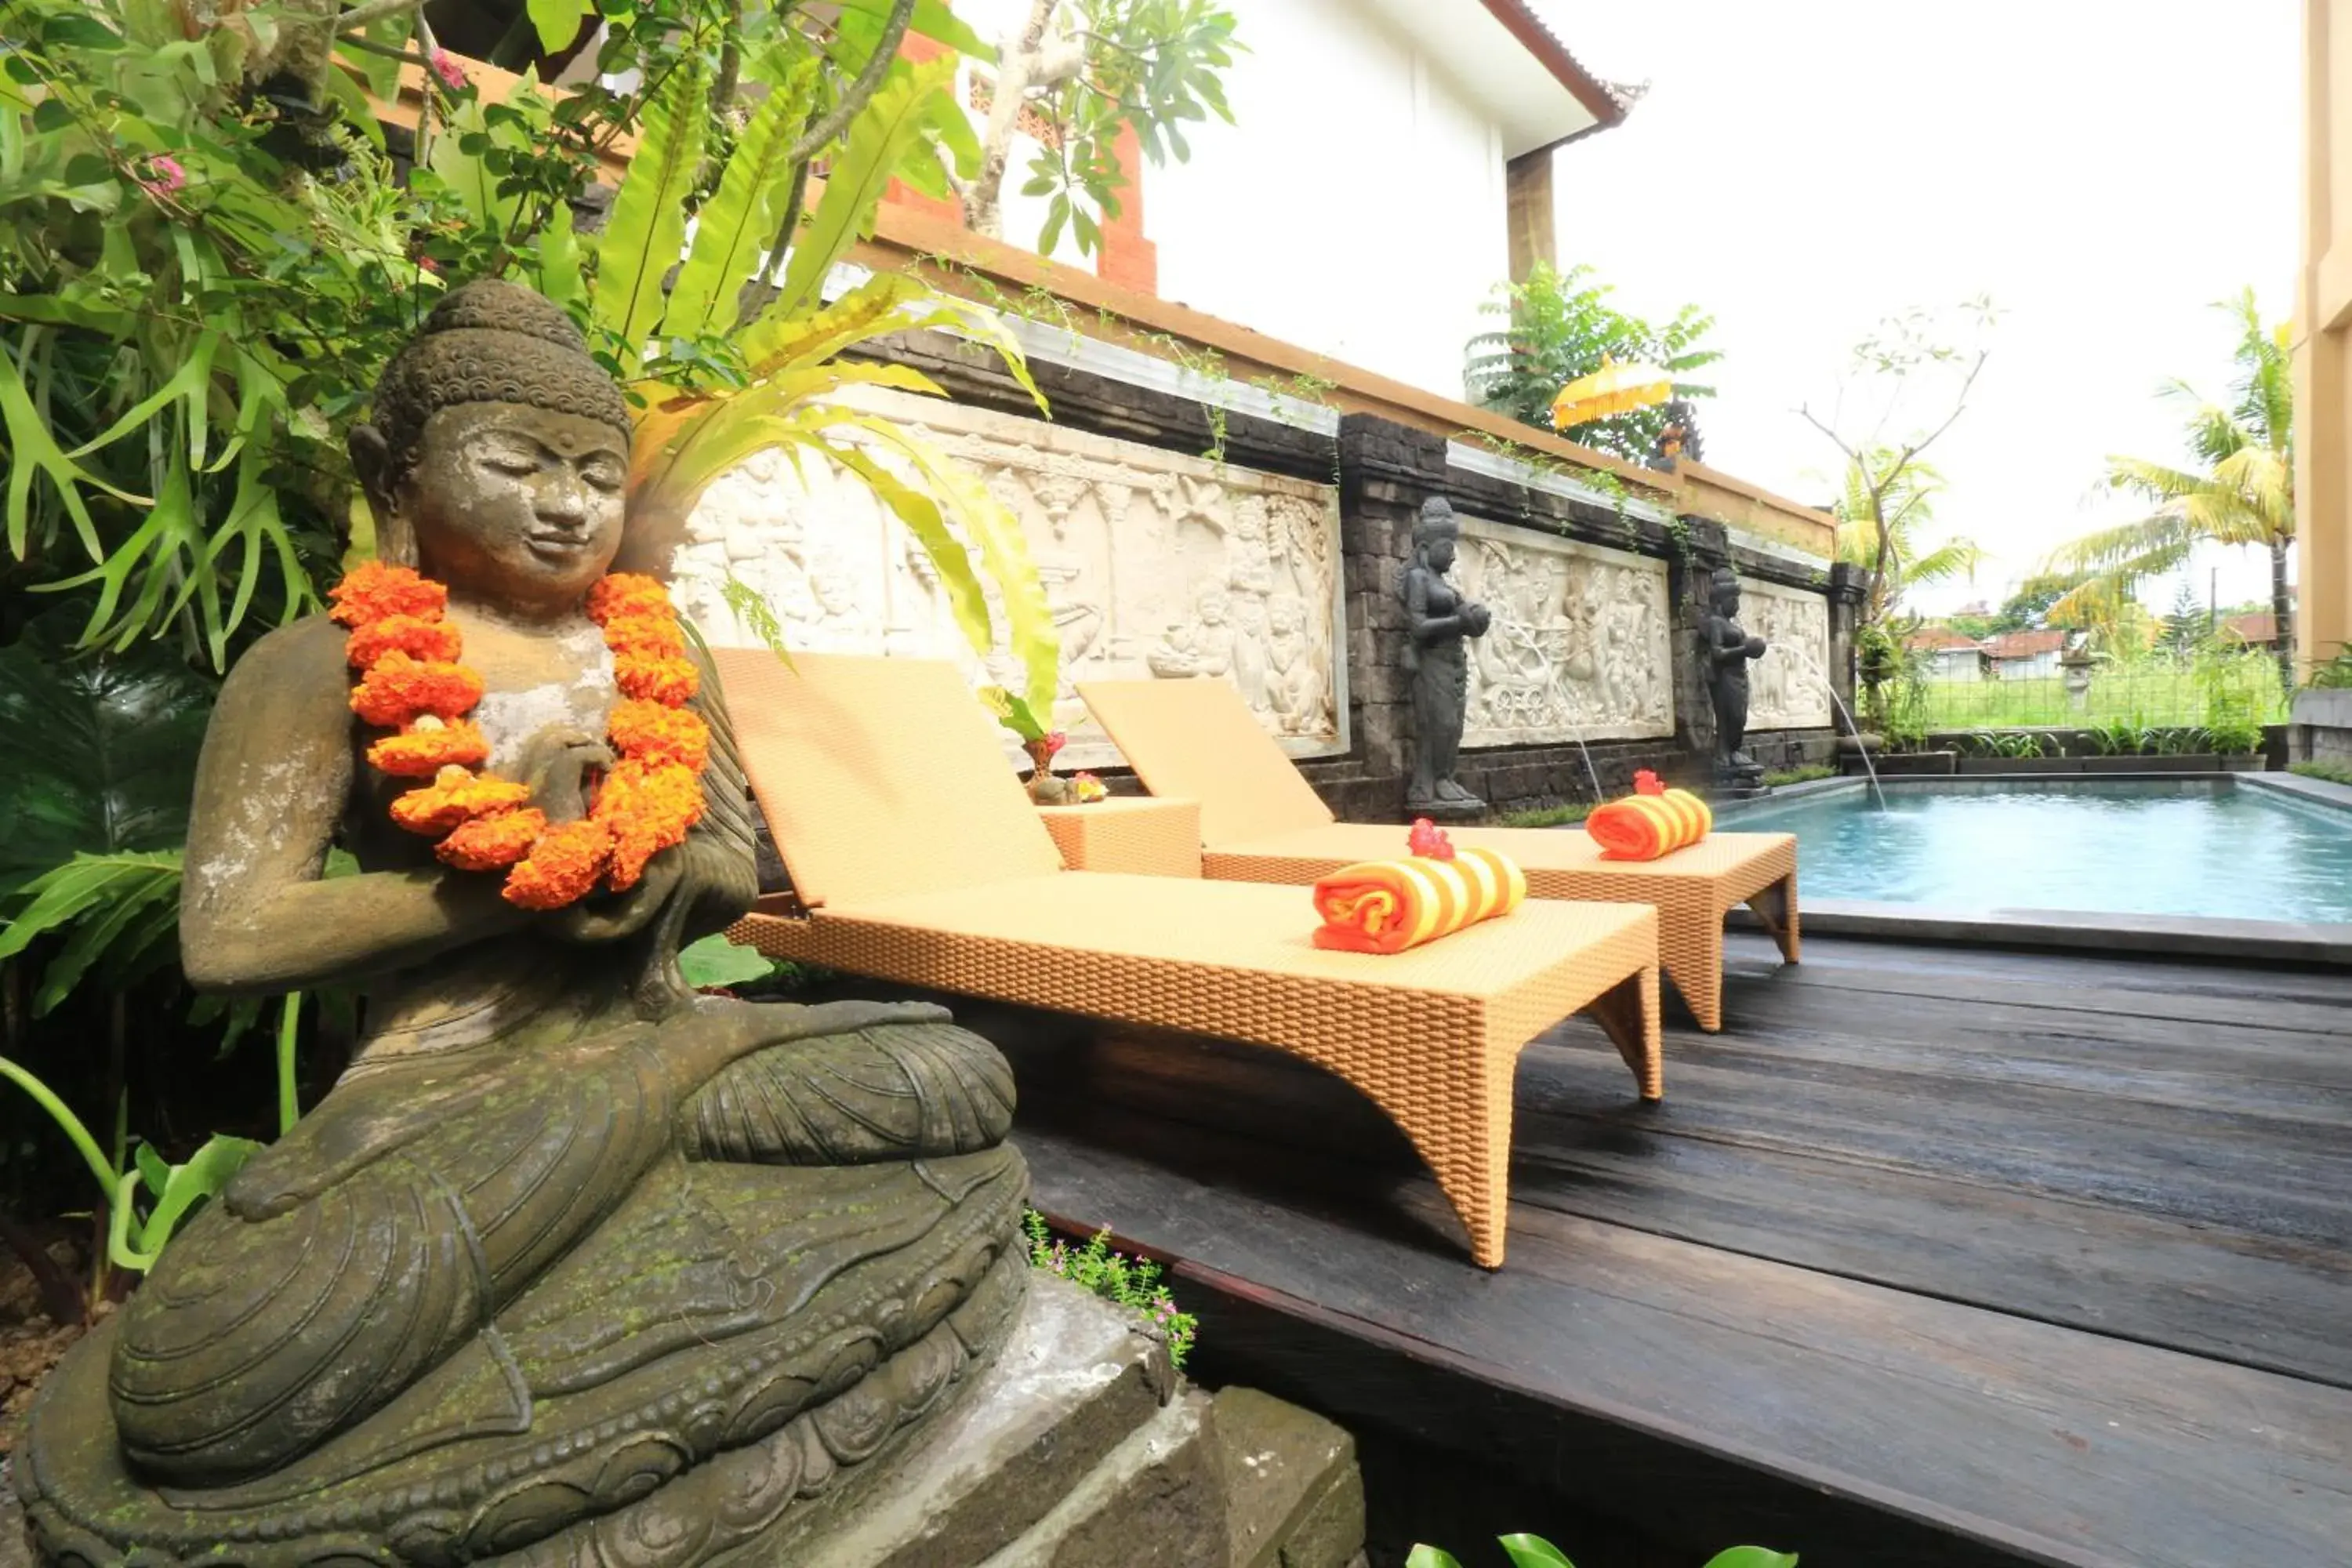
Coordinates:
<point>1355,208</point>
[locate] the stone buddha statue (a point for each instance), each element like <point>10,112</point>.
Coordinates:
<point>1728,651</point>
<point>573,1265</point>
<point>1437,619</point>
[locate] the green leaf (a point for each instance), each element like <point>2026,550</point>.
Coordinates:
<point>1533,1551</point>
<point>1752,1557</point>
<point>153,1169</point>
<point>646,232</point>
<point>107,762</point>
<point>94,898</point>
<point>557,21</point>
<point>737,224</point>
<point>931,19</point>
<point>879,137</point>
<point>1430,1557</point>
<point>208,1169</point>
<point>715,961</point>
<point>991,528</point>
<point>33,449</point>
<point>560,276</point>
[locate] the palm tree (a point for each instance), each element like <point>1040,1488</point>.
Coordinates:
<point>1882,514</point>
<point>2244,494</point>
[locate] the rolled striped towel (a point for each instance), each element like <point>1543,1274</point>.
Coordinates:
<point>1387,906</point>
<point>1652,821</point>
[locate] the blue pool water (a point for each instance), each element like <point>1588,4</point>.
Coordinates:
<point>2191,847</point>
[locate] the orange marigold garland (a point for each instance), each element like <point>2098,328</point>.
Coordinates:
<point>411,681</point>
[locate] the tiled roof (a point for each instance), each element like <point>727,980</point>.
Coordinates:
<point>1938,639</point>
<point>2024,645</point>
<point>2258,626</point>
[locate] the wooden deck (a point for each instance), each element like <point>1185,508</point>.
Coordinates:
<point>1934,1256</point>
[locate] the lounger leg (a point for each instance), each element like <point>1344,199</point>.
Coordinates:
<point>1629,1012</point>
<point>1776,906</point>
<point>1463,1131</point>
<point>1692,953</point>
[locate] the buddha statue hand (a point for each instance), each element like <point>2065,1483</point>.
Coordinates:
<point>559,764</point>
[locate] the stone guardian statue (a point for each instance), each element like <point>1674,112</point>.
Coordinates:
<point>1437,619</point>
<point>574,1264</point>
<point>1727,653</point>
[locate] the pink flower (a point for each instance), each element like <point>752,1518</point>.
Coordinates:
<point>1055,742</point>
<point>446,68</point>
<point>429,265</point>
<point>163,176</point>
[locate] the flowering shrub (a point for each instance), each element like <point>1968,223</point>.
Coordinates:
<point>1130,1282</point>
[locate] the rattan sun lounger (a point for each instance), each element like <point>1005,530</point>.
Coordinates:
<point>1262,822</point>
<point>917,856</point>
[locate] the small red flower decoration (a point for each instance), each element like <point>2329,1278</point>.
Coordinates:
<point>1429,841</point>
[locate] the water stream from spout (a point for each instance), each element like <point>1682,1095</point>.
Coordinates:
<point>1805,666</point>
<point>1591,777</point>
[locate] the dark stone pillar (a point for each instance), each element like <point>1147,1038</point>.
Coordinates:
<point>1386,471</point>
<point>1688,572</point>
<point>1849,585</point>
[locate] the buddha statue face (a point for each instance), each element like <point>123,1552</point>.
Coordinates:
<point>498,454</point>
<point>515,504</point>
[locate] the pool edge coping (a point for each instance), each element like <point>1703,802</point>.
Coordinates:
<point>2302,943</point>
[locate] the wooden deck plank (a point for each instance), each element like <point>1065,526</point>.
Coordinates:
<point>2034,1257</point>
<point>2043,1443</point>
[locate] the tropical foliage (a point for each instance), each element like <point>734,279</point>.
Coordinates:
<point>2238,492</point>
<point>1560,326</point>
<point>1888,530</point>
<point>1081,73</point>
<point>203,271</point>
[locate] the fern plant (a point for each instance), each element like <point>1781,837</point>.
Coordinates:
<point>780,376</point>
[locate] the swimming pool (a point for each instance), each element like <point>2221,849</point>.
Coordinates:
<point>2192,846</point>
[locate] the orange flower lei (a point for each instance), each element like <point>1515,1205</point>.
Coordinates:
<point>412,683</point>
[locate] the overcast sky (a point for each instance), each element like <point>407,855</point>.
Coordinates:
<point>2103,168</point>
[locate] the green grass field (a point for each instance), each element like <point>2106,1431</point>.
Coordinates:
<point>2159,697</point>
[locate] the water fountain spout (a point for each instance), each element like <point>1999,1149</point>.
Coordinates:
<point>1805,666</point>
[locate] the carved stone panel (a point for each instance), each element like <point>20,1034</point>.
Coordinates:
<point>1154,564</point>
<point>1580,645</point>
<point>1787,689</point>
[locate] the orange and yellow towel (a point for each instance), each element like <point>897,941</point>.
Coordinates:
<point>1388,906</point>
<point>1652,821</point>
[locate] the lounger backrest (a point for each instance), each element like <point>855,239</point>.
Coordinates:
<point>1197,739</point>
<point>879,776</point>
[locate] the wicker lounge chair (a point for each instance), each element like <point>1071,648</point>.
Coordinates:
<point>917,856</point>
<point>1261,822</point>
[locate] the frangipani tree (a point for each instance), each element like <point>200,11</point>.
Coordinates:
<point>2240,493</point>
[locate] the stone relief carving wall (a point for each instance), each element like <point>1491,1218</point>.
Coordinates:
<point>1580,645</point>
<point>1788,688</point>
<point>1155,564</point>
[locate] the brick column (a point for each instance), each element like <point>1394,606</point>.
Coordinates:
<point>1128,258</point>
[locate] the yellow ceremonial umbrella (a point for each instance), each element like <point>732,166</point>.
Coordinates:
<point>1612,389</point>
